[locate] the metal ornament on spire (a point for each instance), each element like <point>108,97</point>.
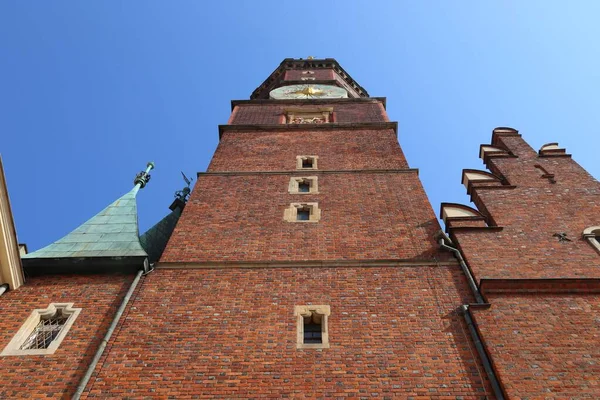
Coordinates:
<point>184,193</point>
<point>143,177</point>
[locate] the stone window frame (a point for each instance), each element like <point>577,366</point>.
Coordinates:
<point>590,234</point>
<point>325,112</point>
<point>13,348</point>
<point>299,160</point>
<point>300,312</point>
<point>290,214</point>
<point>313,181</point>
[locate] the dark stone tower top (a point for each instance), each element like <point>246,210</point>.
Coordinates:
<point>325,71</point>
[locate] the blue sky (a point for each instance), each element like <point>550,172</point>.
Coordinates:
<point>90,91</point>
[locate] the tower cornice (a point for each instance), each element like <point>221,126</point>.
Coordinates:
<point>275,79</point>
<point>292,128</point>
<point>382,100</point>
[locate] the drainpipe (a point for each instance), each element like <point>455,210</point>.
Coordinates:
<point>483,355</point>
<point>3,288</point>
<point>485,360</point>
<point>463,265</point>
<point>111,329</point>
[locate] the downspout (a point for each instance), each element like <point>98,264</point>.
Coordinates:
<point>463,266</point>
<point>487,365</point>
<point>3,288</point>
<point>483,355</point>
<point>111,329</point>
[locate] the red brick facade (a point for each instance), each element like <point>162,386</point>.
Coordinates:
<point>542,328</point>
<point>230,333</point>
<point>215,318</point>
<point>56,376</point>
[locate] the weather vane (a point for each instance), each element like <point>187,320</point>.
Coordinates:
<point>184,193</point>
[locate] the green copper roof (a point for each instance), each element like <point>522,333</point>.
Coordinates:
<point>113,232</point>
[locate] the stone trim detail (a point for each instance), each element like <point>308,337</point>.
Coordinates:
<point>592,234</point>
<point>308,115</point>
<point>291,213</point>
<point>13,348</point>
<point>295,182</point>
<point>320,311</point>
<point>300,159</point>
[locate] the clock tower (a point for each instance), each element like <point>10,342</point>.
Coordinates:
<point>305,263</point>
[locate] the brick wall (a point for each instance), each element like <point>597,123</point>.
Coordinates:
<point>57,375</point>
<point>340,149</point>
<point>274,113</point>
<point>543,343</point>
<point>319,74</point>
<point>530,214</point>
<point>544,346</point>
<point>227,333</point>
<point>363,216</point>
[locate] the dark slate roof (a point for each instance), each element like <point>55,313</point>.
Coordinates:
<point>155,239</point>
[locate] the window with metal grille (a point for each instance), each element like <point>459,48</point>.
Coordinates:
<point>45,331</point>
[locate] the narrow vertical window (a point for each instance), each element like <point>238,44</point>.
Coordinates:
<point>312,330</point>
<point>311,324</point>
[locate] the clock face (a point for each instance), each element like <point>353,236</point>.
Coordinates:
<point>308,92</point>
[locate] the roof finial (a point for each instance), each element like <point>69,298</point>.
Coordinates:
<point>142,178</point>
<point>310,58</point>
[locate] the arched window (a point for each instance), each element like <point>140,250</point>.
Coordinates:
<point>592,235</point>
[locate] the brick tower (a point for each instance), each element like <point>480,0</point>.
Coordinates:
<point>305,264</point>
<point>532,246</point>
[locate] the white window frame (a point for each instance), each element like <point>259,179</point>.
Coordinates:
<point>13,348</point>
<point>290,214</point>
<point>299,160</point>
<point>305,311</point>
<point>590,235</point>
<point>295,182</point>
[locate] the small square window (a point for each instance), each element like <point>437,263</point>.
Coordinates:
<point>311,327</point>
<point>303,185</point>
<point>306,162</point>
<point>302,212</point>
